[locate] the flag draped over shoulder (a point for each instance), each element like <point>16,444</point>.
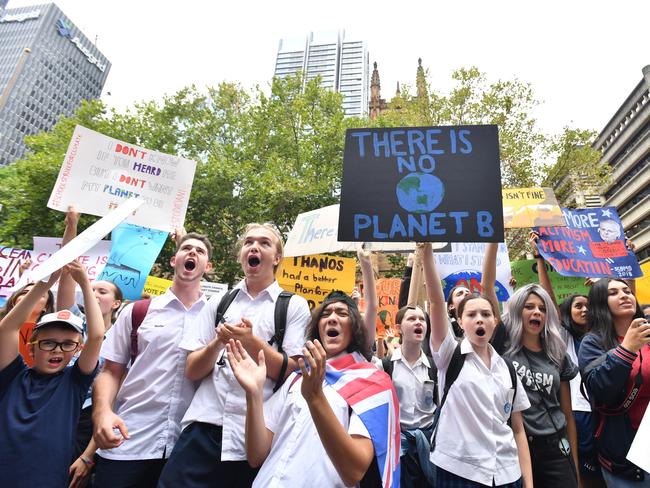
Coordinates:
<point>370,393</point>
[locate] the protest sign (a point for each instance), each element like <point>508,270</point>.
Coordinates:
<point>531,207</point>
<point>316,232</point>
<point>643,284</point>
<point>592,244</point>
<point>92,260</point>
<point>387,306</point>
<point>314,277</point>
<point>84,241</point>
<point>210,289</point>
<point>99,173</point>
<point>464,264</point>
<point>10,261</point>
<point>638,453</point>
<point>154,286</point>
<point>415,184</point>
<point>134,251</point>
<point>525,272</point>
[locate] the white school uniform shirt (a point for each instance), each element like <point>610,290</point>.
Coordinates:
<point>578,402</point>
<point>155,393</point>
<point>415,391</point>
<point>297,456</point>
<point>474,440</point>
<point>219,399</point>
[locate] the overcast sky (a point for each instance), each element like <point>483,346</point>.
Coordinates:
<point>583,58</point>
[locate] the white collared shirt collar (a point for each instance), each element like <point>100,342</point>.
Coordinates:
<point>273,290</point>
<point>398,356</point>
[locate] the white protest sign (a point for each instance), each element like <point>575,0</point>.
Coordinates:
<point>93,260</point>
<point>10,261</point>
<point>99,173</point>
<point>211,289</point>
<point>638,453</point>
<point>464,264</point>
<point>85,241</point>
<point>316,232</point>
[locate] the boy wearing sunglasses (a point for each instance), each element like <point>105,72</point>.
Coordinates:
<point>40,406</point>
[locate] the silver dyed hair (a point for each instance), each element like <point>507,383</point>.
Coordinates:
<point>552,342</point>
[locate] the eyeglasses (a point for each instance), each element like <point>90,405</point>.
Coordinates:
<point>67,346</point>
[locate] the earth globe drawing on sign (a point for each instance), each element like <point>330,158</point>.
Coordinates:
<point>420,192</point>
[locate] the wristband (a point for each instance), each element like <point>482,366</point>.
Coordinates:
<point>87,462</point>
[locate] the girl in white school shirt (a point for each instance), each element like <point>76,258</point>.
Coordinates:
<point>475,446</point>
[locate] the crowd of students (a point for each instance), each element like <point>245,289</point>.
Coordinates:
<point>252,389</point>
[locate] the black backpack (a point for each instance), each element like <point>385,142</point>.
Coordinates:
<point>280,318</point>
<point>455,365</point>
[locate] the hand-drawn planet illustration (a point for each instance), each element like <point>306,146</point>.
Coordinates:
<point>420,192</point>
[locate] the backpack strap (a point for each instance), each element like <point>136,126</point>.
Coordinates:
<point>280,319</point>
<point>138,313</point>
<point>387,364</point>
<point>224,303</point>
<point>453,370</point>
<point>513,379</point>
<point>433,376</point>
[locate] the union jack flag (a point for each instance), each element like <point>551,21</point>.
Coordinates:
<point>371,395</point>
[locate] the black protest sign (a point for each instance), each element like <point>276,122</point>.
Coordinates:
<point>436,184</point>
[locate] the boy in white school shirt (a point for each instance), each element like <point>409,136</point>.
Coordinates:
<point>137,421</point>
<point>210,450</point>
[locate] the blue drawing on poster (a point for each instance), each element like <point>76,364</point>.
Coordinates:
<point>472,281</point>
<point>420,192</point>
<point>133,252</point>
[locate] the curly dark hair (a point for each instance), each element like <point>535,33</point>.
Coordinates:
<point>359,342</point>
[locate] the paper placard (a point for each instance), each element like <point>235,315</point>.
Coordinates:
<point>314,277</point>
<point>531,207</point>
<point>99,173</point>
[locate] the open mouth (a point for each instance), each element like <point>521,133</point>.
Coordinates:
<point>536,323</point>
<point>480,332</point>
<point>190,265</point>
<point>418,330</point>
<point>332,333</point>
<point>54,361</point>
<point>254,261</point>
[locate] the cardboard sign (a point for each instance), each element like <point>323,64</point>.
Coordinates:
<point>99,173</point>
<point>316,232</point>
<point>154,286</point>
<point>437,184</point>
<point>210,289</point>
<point>10,261</point>
<point>314,277</point>
<point>591,245</point>
<point>134,251</point>
<point>464,264</point>
<point>531,207</point>
<point>643,285</point>
<point>387,306</point>
<point>525,272</point>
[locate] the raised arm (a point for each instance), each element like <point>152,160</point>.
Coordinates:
<point>542,272</point>
<point>251,376</point>
<point>437,305</point>
<point>11,323</point>
<point>369,292</point>
<point>405,285</point>
<point>65,294</point>
<point>489,276</point>
<point>351,455</point>
<point>94,321</point>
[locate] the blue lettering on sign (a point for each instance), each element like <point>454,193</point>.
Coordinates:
<point>405,142</point>
<point>418,226</point>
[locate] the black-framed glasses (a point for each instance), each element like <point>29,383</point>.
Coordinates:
<point>66,346</point>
